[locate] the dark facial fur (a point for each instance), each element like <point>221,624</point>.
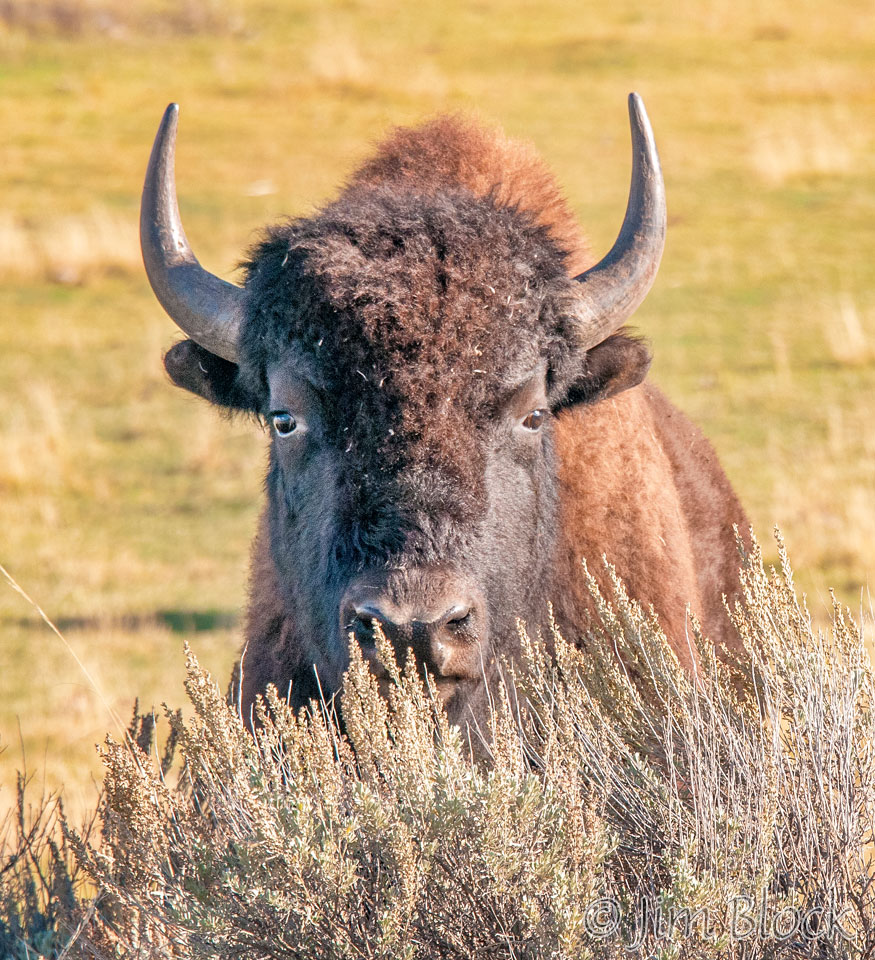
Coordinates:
<point>412,336</point>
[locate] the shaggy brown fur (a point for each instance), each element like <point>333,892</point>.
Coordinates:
<point>417,307</point>
<point>669,510</point>
<point>453,151</point>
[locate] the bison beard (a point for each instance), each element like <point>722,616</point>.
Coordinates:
<point>458,416</point>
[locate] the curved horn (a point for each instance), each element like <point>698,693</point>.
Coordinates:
<point>612,290</point>
<point>204,306</point>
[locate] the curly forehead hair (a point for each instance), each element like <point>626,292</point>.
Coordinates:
<point>438,256</point>
<point>397,287</point>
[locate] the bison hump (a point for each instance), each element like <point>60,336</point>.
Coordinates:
<point>453,151</point>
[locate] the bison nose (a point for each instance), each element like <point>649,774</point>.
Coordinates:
<point>446,637</point>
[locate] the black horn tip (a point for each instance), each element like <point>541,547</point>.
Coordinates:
<point>169,120</point>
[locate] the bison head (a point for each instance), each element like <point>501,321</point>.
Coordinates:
<point>410,347</point>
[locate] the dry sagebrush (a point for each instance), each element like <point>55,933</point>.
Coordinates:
<point>46,900</point>
<point>627,809</point>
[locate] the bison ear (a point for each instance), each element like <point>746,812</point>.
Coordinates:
<point>197,370</point>
<point>609,368</point>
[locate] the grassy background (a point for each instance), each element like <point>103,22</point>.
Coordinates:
<point>126,507</point>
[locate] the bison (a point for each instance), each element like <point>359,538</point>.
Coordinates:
<point>458,414</point>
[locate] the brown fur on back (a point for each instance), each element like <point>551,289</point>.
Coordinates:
<point>453,151</point>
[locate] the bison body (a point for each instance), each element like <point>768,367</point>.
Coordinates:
<point>458,415</point>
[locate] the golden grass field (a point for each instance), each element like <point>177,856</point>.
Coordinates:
<point>126,507</point>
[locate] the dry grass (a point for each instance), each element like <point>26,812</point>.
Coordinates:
<point>731,815</point>
<point>846,328</point>
<point>115,20</point>
<point>809,142</point>
<point>69,249</point>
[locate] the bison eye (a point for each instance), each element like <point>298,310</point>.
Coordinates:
<point>535,420</point>
<point>283,423</point>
